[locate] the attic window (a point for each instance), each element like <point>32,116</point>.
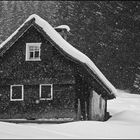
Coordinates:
<point>46,92</point>
<point>33,51</point>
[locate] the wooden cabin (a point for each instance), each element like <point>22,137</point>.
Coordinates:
<point>42,76</point>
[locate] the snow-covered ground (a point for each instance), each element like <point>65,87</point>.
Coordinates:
<point>124,123</point>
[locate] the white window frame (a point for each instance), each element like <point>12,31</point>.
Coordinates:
<point>11,99</point>
<point>28,53</point>
<point>41,90</point>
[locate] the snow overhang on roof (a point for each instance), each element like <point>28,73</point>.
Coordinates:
<point>63,27</point>
<point>67,48</point>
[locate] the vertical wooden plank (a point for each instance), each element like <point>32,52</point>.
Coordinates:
<point>102,108</point>
<point>90,105</point>
<point>106,116</point>
<point>86,110</point>
<point>78,110</point>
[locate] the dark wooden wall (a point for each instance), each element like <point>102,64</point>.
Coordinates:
<point>53,68</point>
<point>72,84</point>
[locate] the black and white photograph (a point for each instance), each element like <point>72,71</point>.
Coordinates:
<point>69,69</point>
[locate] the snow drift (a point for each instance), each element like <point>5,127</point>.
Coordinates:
<point>124,123</point>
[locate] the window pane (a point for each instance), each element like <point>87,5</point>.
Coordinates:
<point>46,91</point>
<point>36,48</point>
<point>17,92</point>
<point>31,55</point>
<point>36,54</point>
<point>31,48</point>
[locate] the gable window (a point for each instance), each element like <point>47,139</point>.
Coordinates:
<point>46,92</point>
<point>33,51</point>
<point>16,93</point>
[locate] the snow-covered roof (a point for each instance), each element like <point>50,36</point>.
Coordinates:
<point>63,27</point>
<point>66,47</point>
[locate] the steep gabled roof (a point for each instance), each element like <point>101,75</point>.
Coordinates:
<point>63,44</point>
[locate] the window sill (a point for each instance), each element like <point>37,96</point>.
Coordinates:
<point>16,99</point>
<point>33,59</point>
<point>43,99</point>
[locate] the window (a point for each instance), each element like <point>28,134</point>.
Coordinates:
<point>16,93</point>
<point>33,51</point>
<point>46,92</point>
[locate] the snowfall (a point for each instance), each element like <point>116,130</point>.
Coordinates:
<point>124,123</point>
